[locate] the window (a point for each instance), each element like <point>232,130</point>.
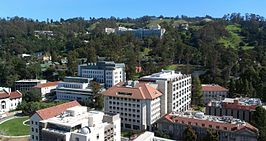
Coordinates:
<point>32,136</point>
<point>36,137</point>
<point>98,136</point>
<point>32,129</point>
<point>76,139</point>
<point>36,123</point>
<point>36,130</point>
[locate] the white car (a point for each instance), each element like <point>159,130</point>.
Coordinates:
<point>3,116</point>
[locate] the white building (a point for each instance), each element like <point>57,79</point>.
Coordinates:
<point>74,88</point>
<point>9,100</point>
<point>213,92</point>
<point>46,88</point>
<point>149,136</point>
<point>107,72</point>
<point>175,87</point>
<point>27,84</point>
<point>72,122</point>
<point>137,103</point>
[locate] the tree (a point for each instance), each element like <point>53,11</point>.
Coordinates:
<point>32,96</point>
<point>211,135</point>
<point>258,120</point>
<point>97,98</point>
<point>189,134</point>
<point>197,97</point>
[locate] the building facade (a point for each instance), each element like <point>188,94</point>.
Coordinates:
<point>228,128</point>
<point>213,92</point>
<point>46,88</point>
<point>72,122</point>
<point>9,100</point>
<point>175,87</point>
<point>241,108</point>
<point>137,103</point>
<point>107,72</point>
<point>27,84</point>
<point>74,88</point>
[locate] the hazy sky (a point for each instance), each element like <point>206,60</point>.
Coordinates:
<point>56,9</point>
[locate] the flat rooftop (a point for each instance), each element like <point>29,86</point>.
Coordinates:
<point>164,75</point>
<point>32,80</point>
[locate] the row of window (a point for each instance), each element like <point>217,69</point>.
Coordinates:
<point>125,109</point>
<point>124,104</point>
<point>124,99</point>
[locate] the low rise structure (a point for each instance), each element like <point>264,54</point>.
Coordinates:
<point>242,108</point>
<point>146,136</point>
<point>9,100</point>
<point>229,129</point>
<point>213,92</point>
<point>175,87</point>
<point>74,88</point>
<point>72,122</point>
<point>46,88</point>
<point>27,84</point>
<point>137,103</point>
<point>107,72</point>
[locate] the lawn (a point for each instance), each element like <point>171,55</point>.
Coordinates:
<point>15,127</point>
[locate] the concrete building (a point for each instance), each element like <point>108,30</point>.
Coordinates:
<point>213,92</point>
<point>27,84</point>
<point>146,136</point>
<point>72,122</point>
<point>175,87</point>
<point>137,103</point>
<point>46,88</point>
<point>74,88</point>
<point>107,72</point>
<point>9,100</point>
<point>242,108</point>
<point>229,129</point>
<point>140,32</point>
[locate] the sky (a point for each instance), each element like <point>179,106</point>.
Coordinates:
<point>56,9</point>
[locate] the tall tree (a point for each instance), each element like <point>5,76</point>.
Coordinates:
<point>197,97</point>
<point>258,120</point>
<point>189,134</point>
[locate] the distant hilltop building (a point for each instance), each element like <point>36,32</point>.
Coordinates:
<point>73,122</point>
<point>107,72</point>
<point>140,32</point>
<point>241,108</point>
<point>44,32</point>
<point>213,92</point>
<point>228,128</point>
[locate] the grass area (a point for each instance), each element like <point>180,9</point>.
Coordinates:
<point>234,39</point>
<point>128,134</point>
<point>182,67</point>
<point>158,21</point>
<point>15,127</point>
<point>125,24</point>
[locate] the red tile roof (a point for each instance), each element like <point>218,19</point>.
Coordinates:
<point>15,94</point>
<point>56,110</point>
<point>12,95</point>
<point>238,106</point>
<point>140,91</point>
<point>48,84</point>
<point>3,95</point>
<point>213,88</point>
<point>209,124</point>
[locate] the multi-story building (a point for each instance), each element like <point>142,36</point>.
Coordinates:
<point>137,103</point>
<point>72,122</point>
<point>74,88</point>
<point>241,108</point>
<point>9,100</point>
<point>175,87</point>
<point>27,84</point>
<point>228,128</point>
<point>140,32</point>
<point>107,72</point>
<point>46,88</point>
<point>213,92</point>
<point>147,136</point>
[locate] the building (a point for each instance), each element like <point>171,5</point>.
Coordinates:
<point>46,88</point>
<point>146,136</point>
<point>213,92</point>
<point>9,100</point>
<point>140,32</point>
<point>175,87</point>
<point>74,88</point>
<point>107,72</point>
<point>27,84</point>
<point>137,103</point>
<point>229,129</point>
<point>242,108</point>
<point>72,122</point>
